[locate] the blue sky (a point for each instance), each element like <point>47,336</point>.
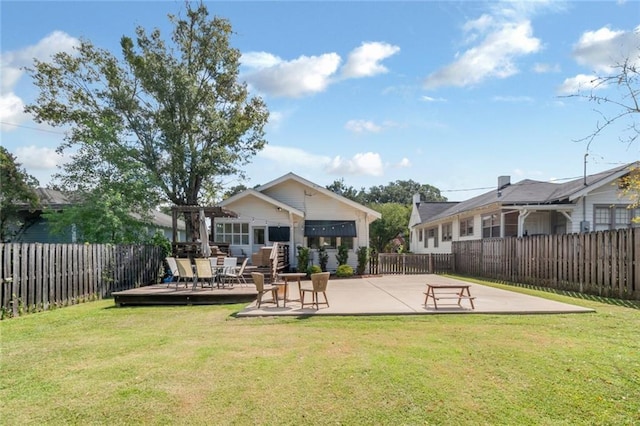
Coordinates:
<point>451,94</point>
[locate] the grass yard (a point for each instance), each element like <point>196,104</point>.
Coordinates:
<point>97,364</point>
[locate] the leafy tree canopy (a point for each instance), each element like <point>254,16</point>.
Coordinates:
<point>394,223</point>
<point>394,201</point>
<point>162,122</point>
<point>17,188</point>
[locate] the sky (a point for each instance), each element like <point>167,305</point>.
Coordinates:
<point>451,94</point>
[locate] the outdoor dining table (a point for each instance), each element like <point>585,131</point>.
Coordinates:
<point>286,277</point>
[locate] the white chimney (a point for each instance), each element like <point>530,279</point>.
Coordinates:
<point>416,199</point>
<point>503,181</point>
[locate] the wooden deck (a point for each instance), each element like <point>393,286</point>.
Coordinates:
<point>160,294</point>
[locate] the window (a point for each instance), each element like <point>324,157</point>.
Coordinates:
<point>466,227</point>
<point>613,217</point>
<point>446,231</point>
<point>420,235</point>
<point>432,233</point>
<point>232,233</point>
<point>329,242</point>
<point>491,226</point>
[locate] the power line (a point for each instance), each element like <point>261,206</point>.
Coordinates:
<point>32,128</point>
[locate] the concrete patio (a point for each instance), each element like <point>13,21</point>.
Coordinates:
<point>404,295</point>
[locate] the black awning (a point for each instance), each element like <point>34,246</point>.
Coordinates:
<point>330,228</point>
<point>280,234</point>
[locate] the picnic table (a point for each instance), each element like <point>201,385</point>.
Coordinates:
<point>448,291</point>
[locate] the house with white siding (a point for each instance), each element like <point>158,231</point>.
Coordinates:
<point>528,207</point>
<point>294,211</point>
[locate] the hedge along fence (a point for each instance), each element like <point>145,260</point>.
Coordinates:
<point>36,277</point>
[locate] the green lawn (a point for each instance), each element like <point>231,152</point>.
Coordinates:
<point>97,364</point>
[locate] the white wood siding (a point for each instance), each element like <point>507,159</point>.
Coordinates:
<point>316,206</point>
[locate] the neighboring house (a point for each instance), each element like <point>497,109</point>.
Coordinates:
<point>36,228</point>
<point>294,211</point>
<point>528,207</point>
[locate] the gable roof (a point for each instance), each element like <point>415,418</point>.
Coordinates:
<point>428,209</point>
<point>263,197</point>
<point>293,177</point>
<point>532,192</point>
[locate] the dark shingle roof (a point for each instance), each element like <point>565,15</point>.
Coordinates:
<point>526,192</point>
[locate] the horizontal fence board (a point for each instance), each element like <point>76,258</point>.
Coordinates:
<point>35,277</point>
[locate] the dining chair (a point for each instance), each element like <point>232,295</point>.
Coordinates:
<point>173,266</point>
<point>319,282</point>
<point>185,270</point>
<point>262,288</point>
<point>229,264</point>
<point>237,273</point>
<point>204,272</point>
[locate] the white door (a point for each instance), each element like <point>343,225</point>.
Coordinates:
<point>258,238</point>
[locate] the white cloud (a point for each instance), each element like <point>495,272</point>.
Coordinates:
<point>431,99</point>
<point>364,61</point>
<point>579,83</point>
<point>259,60</point>
<point>288,156</point>
<point>514,99</point>
<point>545,68</point>
<point>299,77</point>
<point>11,69</point>
<point>361,126</point>
<point>405,163</point>
<point>38,157</point>
<point>367,163</point>
<point>11,111</point>
<point>12,62</point>
<point>602,49</point>
<point>493,57</point>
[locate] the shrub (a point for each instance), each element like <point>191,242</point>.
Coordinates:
<point>363,258</point>
<point>343,254</point>
<point>313,269</point>
<point>323,258</point>
<point>303,258</point>
<point>344,271</point>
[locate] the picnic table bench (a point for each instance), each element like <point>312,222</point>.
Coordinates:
<point>448,291</point>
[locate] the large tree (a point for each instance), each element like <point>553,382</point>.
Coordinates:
<point>394,201</point>
<point>394,223</point>
<point>163,121</point>
<point>402,192</point>
<point>17,188</point>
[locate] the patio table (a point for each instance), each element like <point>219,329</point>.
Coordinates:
<point>284,292</point>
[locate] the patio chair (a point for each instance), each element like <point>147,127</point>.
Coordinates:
<point>204,271</point>
<point>262,288</point>
<point>173,267</point>
<point>185,270</point>
<point>229,265</point>
<point>319,282</point>
<point>236,274</point>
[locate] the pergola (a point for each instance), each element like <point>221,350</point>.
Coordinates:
<point>193,215</point>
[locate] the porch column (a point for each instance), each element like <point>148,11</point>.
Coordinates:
<point>522,216</point>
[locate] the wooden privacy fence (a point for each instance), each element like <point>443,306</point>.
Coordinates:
<point>601,263</point>
<point>406,263</point>
<point>38,276</point>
